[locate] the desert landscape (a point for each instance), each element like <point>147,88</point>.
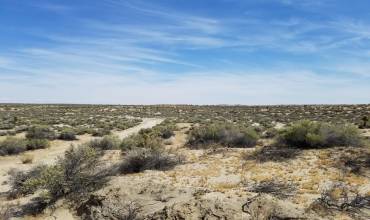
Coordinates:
<point>184,162</point>
<point>184,110</point>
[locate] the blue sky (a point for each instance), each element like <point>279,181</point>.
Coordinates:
<point>185,51</point>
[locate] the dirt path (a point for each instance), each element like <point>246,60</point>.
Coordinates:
<point>179,139</point>
<point>146,123</point>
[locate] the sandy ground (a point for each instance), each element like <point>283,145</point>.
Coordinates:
<point>214,184</point>
<point>56,149</point>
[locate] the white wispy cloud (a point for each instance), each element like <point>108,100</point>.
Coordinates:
<point>297,87</point>
<point>117,61</point>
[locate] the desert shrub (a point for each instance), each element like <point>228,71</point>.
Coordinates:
<point>97,207</point>
<point>357,164</point>
<point>227,135</point>
<point>74,174</point>
<point>40,132</point>
<point>365,122</point>
<point>141,140</point>
<point>267,207</point>
<point>166,132</point>
<point>12,145</point>
<point>7,211</point>
<point>127,211</point>
<point>278,189</point>
<point>11,133</point>
<point>33,144</point>
<point>316,134</point>
<point>6,126</point>
<point>68,135</point>
<point>100,132</point>
<point>140,159</point>
<point>341,197</point>
<point>106,143</point>
<point>25,182</point>
<point>272,153</point>
<point>83,130</point>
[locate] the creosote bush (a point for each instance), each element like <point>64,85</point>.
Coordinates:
<point>33,144</point>
<point>72,176</point>
<point>144,139</point>
<point>68,135</point>
<point>12,145</point>
<point>140,159</point>
<point>226,135</point>
<point>25,182</point>
<point>310,134</point>
<point>105,143</point>
<point>80,130</point>
<point>165,130</point>
<point>144,152</point>
<point>40,132</point>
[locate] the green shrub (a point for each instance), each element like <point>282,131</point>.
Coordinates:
<point>12,145</point>
<point>6,126</point>
<point>140,159</point>
<point>141,140</point>
<point>68,135</point>
<point>40,132</point>
<point>226,135</point>
<point>316,134</point>
<point>33,144</point>
<point>83,130</point>
<point>25,182</point>
<point>105,143</point>
<point>72,176</point>
<point>166,132</point>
